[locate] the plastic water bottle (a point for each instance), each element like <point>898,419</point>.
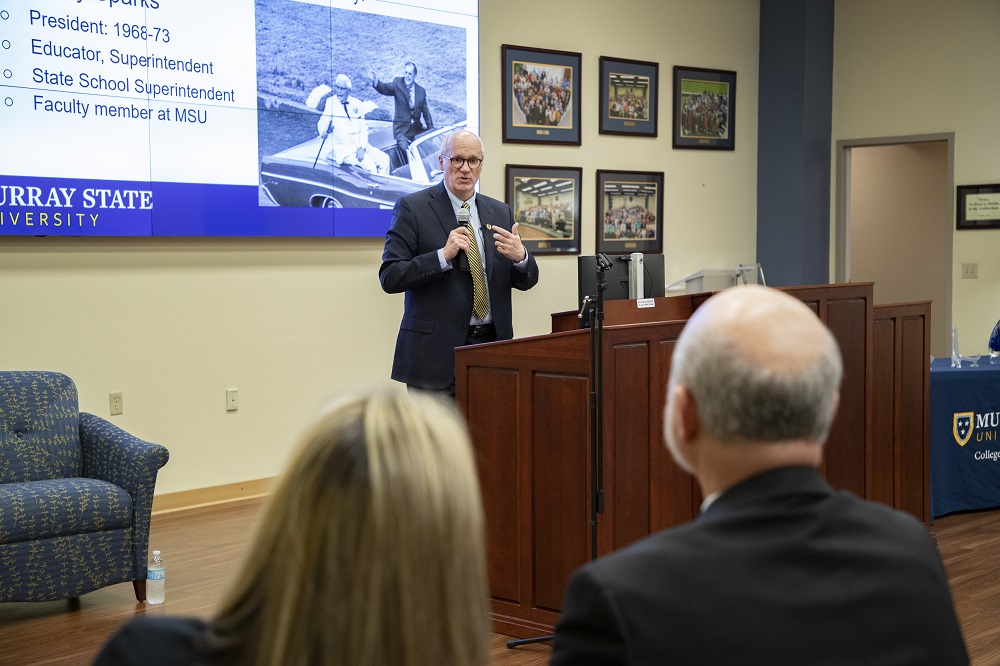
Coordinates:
<point>156,576</point>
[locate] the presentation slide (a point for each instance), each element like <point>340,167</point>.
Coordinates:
<point>227,117</point>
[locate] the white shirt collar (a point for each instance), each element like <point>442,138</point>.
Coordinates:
<point>708,501</point>
<point>456,203</point>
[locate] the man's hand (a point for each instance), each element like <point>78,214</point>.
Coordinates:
<point>509,243</point>
<point>458,239</point>
<point>360,153</point>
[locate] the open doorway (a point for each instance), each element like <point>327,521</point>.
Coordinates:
<point>894,217</point>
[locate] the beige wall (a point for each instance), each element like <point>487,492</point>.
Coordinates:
<point>911,67</point>
<point>900,224</point>
<point>173,323</point>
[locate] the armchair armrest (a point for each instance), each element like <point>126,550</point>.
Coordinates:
<point>116,456</point>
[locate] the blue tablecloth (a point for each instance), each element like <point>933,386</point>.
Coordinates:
<point>965,436</point>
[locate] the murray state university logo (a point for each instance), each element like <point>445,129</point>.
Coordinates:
<point>962,427</point>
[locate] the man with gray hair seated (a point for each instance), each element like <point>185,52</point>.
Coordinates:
<point>779,568</point>
<point>344,118</point>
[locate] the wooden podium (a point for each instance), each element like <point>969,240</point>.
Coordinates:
<point>527,404</point>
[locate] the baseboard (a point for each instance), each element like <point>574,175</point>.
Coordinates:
<point>230,492</point>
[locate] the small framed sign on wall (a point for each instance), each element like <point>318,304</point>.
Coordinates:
<point>978,207</point>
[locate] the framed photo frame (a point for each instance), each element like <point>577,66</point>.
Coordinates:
<point>629,212</point>
<point>546,203</point>
<point>629,97</point>
<point>704,108</point>
<point>978,207</point>
<point>541,96</point>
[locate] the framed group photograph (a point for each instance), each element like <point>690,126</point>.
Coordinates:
<point>978,207</point>
<point>541,96</point>
<point>629,212</point>
<point>546,205</point>
<point>704,108</point>
<point>629,97</point>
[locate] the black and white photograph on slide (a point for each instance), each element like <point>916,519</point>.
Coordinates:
<point>333,132</point>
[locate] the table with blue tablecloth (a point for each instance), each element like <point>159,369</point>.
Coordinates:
<point>965,436</point>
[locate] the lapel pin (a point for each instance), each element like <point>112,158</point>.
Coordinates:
<point>489,227</point>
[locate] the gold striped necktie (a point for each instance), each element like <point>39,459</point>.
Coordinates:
<point>480,300</point>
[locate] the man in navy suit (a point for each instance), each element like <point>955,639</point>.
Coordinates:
<point>431,258</point>
<point>779,568</point>
<point>411,116</point>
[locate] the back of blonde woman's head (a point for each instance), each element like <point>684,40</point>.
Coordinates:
<point>371,550</point>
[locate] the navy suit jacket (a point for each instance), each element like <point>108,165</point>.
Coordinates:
<point>406,121</point>
<point>781,569</point>
<point>438,304</point>
<point>156,641</point>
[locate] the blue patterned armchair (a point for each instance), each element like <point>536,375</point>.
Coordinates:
<point>75,494</point>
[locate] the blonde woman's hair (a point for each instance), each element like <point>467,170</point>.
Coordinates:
<point>371,550</point>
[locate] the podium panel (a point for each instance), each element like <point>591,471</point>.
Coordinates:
<point>527,406</point>
<point>527,402</point>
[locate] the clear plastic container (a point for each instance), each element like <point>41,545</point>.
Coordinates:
<point>156,577</point>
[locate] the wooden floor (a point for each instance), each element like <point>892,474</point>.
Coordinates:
<point>201,547</point>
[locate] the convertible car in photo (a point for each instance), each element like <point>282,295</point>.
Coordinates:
<point>301,176</point>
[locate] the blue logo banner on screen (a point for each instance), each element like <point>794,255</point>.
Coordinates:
<point>74,207</point>
<point>362,223</point>
<point>189,209</point>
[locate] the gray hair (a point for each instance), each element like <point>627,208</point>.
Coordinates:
<point>344,81</point>
<point>737,399</point>
<point>446,144</point>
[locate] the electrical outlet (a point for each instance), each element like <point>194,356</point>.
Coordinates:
<point>232,400</point>
<point>970,271</point>
<point>116,403</point>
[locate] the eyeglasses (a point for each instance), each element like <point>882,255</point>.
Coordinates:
<point>459,162</point>
<point>340,89</point>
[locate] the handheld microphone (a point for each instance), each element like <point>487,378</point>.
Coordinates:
<point>462,217</point>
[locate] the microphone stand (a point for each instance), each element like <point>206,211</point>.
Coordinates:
<point>596,308</point>
<point>597,404</point>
